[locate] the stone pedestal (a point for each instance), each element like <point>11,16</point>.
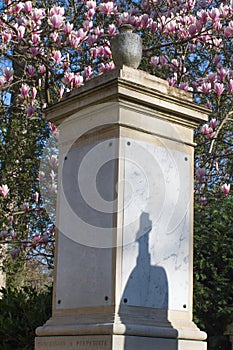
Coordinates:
<point>124,217</point>
<point>229,332</point>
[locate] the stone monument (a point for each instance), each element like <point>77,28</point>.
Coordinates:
<point>229,332</point>
<point>124,252</point>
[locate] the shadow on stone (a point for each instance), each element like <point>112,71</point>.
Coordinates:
<point>144,304</point>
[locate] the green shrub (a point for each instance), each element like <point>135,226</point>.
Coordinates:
<point>213,270</point>
<point>21,312</point>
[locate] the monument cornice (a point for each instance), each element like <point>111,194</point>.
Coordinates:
<point>131,86</point>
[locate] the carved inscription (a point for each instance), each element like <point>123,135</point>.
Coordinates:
<point>75,343</point>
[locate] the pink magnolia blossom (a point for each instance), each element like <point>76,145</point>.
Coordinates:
<point>175,64</point>
<point>217,42</point>
<point>90,14</point>
<point>57,10</point>
<point>37,238</point>
<point>163,60</point>
<point>217,59</point>
<point>37,15</point>
<point>154,61</point>
<point>107,51</point>
<point>68,27</point>
<point>21,32</point>
<point>208,131</point>
<point>94,51</point>
<point>53,161</point>
<point>52,175</point>
<point>172,81</point>
<point>6,36</point>
<point>212,77</point>
<point>15,253</point>
<point>52,230</point>
<point>192,29</point>
<point>30,110</point>
<point>222,73</point>
<point>214,14</point>
<point>77,80</point>
<point>88,72</point>
<point>144,21</point>
<point>107,7</point>
<point>61,93</point>
<point>4,190</point>
<point>228,32</point>
<point>226,189</point>
<point>205,129</point>
<point>81,34</point>
<point>2,80</point>
<point>69,76</point>
<point>124,18</point>
<point>171,26</point>
<point>107,66</point>
<point>205,88</point>
<point>34,93</point>
<point>184,86</point>
<point>212,134</point>
<point>99,32</point>
<point>200,173</point>
<point>202,16</point>
<point>3,234</point>
<point>219,88</point>
<point>36,39</point>
<point>42,69</point>
<point>52,127</point>
<point>24,245</point>
<point>91,5</point>
<point>112,29</point>
<point>230,85</point>
<point>26,206</point>
<point>213,123</point>
<point>18,7</point>
<point>13,234</point>
<point>34,51</point>
<point>74,40</point>
<point>8,74</point>
<point>191,4</point>
<point>28,6</point>
<point>56,56</point>
<point>31,70</point>
<point>41,176</point>
<point>24,90</point>
<point>203,201</point>
<point>53,188</point>
<point>56,21</point>
<point>11,219</point>
<point>87,25</point>
<point>55,36</point>
<point>44,239</point>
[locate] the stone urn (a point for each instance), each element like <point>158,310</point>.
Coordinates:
<point>126,47</point>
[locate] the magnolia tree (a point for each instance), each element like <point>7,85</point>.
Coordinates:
<point>49,48</point>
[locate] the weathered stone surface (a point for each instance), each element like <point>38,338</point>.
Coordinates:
<point>125,217</point>
<point>115,342</point>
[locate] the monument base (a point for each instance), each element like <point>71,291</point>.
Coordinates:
<point>115,342</point>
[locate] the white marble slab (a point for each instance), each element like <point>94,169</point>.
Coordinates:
<point>155,270</point>
<point>88,194</point>
<point>87,199</point>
